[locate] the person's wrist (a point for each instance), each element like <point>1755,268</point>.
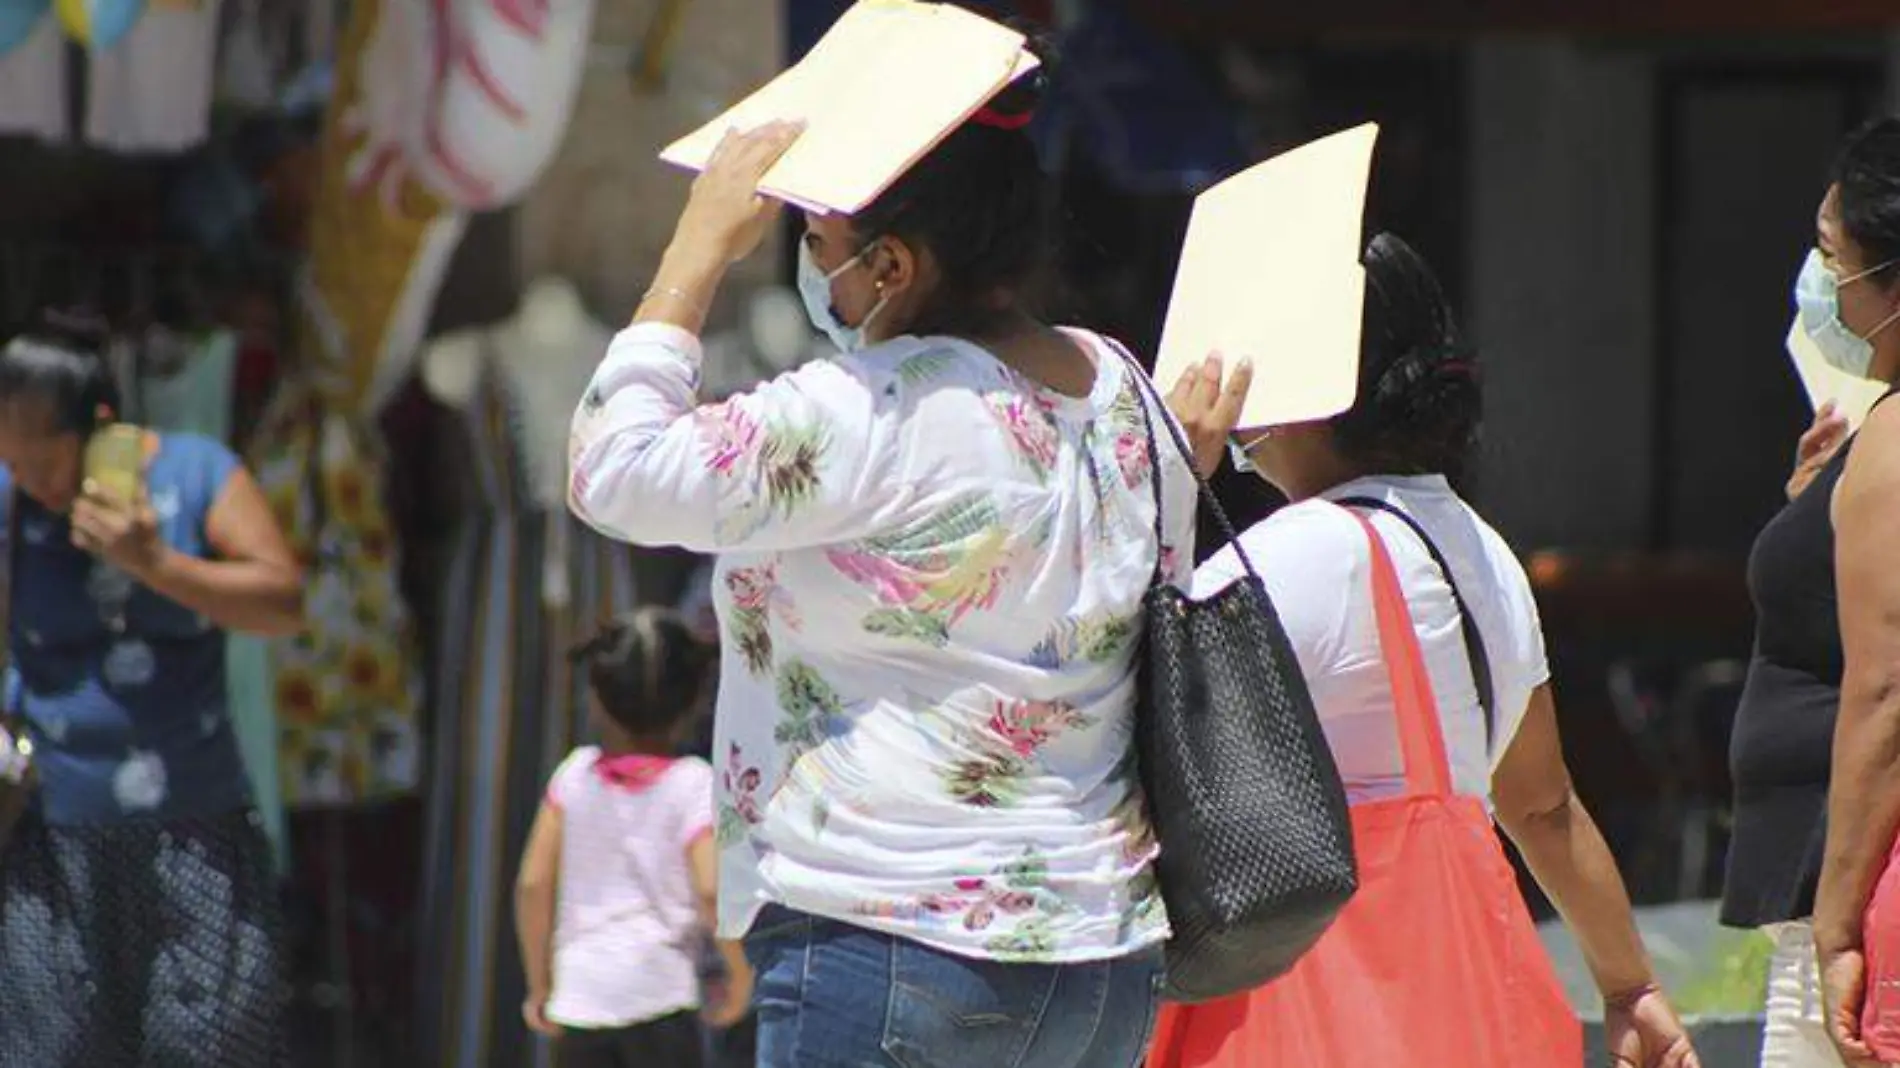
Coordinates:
<point>1834,940</point>
<point>149,567</point>
<point>1625,998</point>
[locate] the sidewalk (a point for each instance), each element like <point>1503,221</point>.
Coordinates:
<point>1689,948</point>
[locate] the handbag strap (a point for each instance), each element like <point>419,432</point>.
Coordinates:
<point>1475,651</point>
<point>1149,394</point>
<point>1415,708</point>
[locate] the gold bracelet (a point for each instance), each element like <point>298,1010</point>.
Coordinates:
<point>671,291</point>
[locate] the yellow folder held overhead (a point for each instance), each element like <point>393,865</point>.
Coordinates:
<point>889,82</point>
<point>1853,397</point>
<point>1270,272</point>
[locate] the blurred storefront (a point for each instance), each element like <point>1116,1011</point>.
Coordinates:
<point>313,224</point>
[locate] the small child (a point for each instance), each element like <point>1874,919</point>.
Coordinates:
<point>617,884</point>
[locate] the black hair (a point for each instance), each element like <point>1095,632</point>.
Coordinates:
<point>58,370</point>
<point>1420,403</point>
<point>647,669</point>
<point>979,202</point>
<point>1867,171</point>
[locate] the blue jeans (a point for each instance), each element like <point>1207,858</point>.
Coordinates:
<point>831,995</point>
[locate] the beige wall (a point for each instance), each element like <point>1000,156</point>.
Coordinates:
<point>602,213</point>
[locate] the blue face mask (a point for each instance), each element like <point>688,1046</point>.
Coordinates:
<point>814,288</point>
<point>1817,293</point>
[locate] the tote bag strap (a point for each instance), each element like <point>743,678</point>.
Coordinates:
<point>1475,652</point>
<point>1421,738</point>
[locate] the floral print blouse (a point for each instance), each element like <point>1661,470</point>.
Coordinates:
<point>929,582</point>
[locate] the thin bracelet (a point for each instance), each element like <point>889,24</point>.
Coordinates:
<point>1627,999</point>
<point>677,294</point>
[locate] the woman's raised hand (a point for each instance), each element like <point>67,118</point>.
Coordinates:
<point>1817,446</point>
<point>1209,410</point>
<point>725,216</point>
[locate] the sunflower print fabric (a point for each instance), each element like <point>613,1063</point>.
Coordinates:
<point>348,688</point>
<point>928,585</point>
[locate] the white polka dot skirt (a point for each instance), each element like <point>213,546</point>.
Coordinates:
<point>140,945</point>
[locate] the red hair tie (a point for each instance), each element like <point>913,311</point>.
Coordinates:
<point>996,120</point>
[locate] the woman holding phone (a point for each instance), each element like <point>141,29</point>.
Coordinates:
<point>138,912</point>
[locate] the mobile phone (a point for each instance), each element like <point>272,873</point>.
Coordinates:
<point>115,460</point>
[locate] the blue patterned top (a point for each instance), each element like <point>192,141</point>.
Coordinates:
<point>122,688</point>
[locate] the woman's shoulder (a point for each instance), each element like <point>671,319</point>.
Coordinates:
<point>1316,526</point>
<point>183,453</point>
<point>1312,539</point>
<point>917,361</point>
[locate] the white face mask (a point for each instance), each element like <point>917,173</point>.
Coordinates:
<point>814,288</point>
<point>1817,293</point>
<point>1242,455</point>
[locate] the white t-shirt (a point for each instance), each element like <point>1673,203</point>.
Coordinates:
<point>626,929</point>
<point>1316,564</point>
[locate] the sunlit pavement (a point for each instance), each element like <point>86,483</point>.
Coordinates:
<point>1695,960</point>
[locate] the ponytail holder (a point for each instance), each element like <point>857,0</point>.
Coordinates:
<point>997,120</point>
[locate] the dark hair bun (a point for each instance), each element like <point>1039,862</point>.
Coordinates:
<point>1867,171</point>
<point>1420,402</point>
<point>1024,95</point>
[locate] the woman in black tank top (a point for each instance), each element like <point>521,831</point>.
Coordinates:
<point>1817,735</point>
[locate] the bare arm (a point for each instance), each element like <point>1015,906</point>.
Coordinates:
<point>254,585</point>
<point>1863,795</point>
<point>536,889</point>
<point>1539,809</point>
<point>702,858</point>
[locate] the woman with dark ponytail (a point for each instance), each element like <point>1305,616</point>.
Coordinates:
<point>932,553</point>
<point>1392,458</point>
<point>138,912</point>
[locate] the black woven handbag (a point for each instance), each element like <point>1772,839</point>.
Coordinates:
<point>1256,842</point>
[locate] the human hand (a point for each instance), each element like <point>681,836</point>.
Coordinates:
<point>1843,990</point>
<point>534,1012</point>
<point>1641,1030</point>
<point>730,1001</point>
<point>1816,447</point>
<point>725,217</point>
<point>123,533</point>
<point>1208,411</point>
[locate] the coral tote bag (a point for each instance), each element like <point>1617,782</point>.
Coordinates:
<point>1880,935</point>
<point>1434,962</point>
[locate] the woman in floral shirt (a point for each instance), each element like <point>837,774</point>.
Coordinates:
<point>932,552</point>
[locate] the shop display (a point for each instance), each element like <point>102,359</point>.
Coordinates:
<point>18,20</point>
<point>32,71</point>
<point>102,24</point>
<point>151,90</point>
<point>525,582</point>
<point>469,97</point>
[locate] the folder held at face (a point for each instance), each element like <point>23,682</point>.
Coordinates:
<point>1853,397</point>
<point>889,82</point>
<point>1270,271</point>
